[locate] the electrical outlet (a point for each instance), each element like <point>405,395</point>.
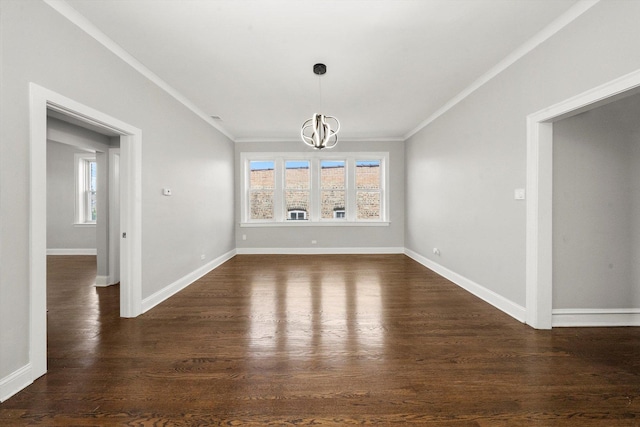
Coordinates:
<point>202,257</point>
<point>313,242</point>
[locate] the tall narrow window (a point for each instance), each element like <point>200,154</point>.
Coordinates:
<point>332,189</point>
<point>86,188</point>
<point>368,189</point>
<point>297,189</point>
<point>261,189</point>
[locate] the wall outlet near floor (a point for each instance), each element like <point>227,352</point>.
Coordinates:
<point>313,242</point>
<point>244,237</point>
<point>436,251</point>
<point>202,257</point>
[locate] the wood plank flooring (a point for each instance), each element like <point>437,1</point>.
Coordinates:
<point>319,340</point>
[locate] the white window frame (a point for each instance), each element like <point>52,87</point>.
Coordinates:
<point>82,184</point>
<point>297,212</point>
<point>314,216</point>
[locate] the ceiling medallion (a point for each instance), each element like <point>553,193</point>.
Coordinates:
<point>320,131</point>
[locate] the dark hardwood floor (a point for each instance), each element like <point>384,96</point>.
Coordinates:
<point>319,340</point>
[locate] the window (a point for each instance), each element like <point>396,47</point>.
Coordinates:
<point>297,194</point>
<point>314,188</point>
<point>297,214</point>
<point>333,187</point>
<point>368,189</point>
<point>262,186</point>
<point>86,188</point>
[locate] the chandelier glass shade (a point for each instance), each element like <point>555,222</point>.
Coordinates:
<point>320,131</point>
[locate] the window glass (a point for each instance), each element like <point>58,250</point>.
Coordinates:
<point>92,213</point>
<point>261,189</point>
<point>332,192</point>
<point>297,186</point>
<point>368,189</point>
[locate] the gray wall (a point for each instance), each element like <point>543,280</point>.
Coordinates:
<point>62,233</point>
<point>179,150</point>
<point>596,197</point>
<point>330,237</point>
<point>63,141</point>
<point>462,169</point>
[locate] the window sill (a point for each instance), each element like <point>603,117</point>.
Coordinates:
<point>84,224</point>
<point>315,224</point>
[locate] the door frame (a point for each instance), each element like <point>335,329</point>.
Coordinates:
<point>539,240</point>
<point>41,100</point>
<point>114,215</point>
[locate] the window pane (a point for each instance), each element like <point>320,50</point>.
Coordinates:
<point>368,174</point>
<point>332,182</point>
<point>92,206</point>
<point>297,184</point>
<point>93,175</point>
<point>332,201</point>
<point>261,204</point>
<point>297,175</point>
<point>332,175</point>
<point>262,175</point>
<point>368,204</point>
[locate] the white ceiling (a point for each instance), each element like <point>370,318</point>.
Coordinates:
<point>390,63</point>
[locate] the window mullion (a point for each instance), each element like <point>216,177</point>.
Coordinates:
<point>278,196</point>
<point>350,197</point>
<point>315,189</point>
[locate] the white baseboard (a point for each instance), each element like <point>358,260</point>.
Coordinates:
<point>175,287</point>
<point>103,281</point>
<point>14,382</point>
<point>317,251</point>
<point>76,251</point>
<point>596,317</point>
<point>498,301</point>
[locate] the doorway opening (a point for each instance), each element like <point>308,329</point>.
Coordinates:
<point>82,194</point>
<point>539,240</point>
<point>43,102</point>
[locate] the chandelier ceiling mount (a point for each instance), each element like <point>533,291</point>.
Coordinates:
<point>320,131</point>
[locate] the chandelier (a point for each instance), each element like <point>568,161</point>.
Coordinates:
<point>320,131</point>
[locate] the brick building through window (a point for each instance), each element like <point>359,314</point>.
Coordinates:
<point>332,190</point>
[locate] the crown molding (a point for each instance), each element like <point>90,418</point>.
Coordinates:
<point>64,9</point>
<point>550,30</point>
<point>290,139</point>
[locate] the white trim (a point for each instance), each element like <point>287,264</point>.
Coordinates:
<point>71,251</point>
<point>104,281</point>
<point>180,284</point>
<point>114,214</point>
<point>597,317</point>
<point>322,223</point>
<point>15,381</point>
<point>41,99</point>
<point>498,301</point>
<point>319,251</point>
<point>539,232</point>
<point>546,33</point>
<point>297,139</point>
<point>64,9</point>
